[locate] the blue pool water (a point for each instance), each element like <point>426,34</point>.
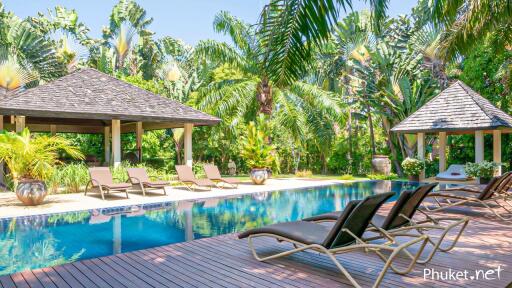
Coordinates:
<point>42,241</point>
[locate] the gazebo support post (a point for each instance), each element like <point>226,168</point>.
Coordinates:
<point>496,149</point>
<point>188,143</point>
<point>20,123</point>
<point>479,146</point>
<point>116,142</point>
<point>53,130</point>
<point>106,144</point>
<point>139,132</point>
<point>442,151</point>
<point>421,151</point>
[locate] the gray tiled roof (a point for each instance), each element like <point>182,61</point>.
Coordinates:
<point>90,94</point>
<point>457,108</point>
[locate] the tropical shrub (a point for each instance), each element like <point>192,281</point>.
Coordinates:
<point>29,157</point>
<point>347,177</point>
<point>413,166</point>
<point>391,176</point>
<point>304,173</point>
<point>484,169</point>
<point>256,150</point>
<point>73,177</point>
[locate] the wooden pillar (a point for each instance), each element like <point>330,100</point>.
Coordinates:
<point>496,149</point>
<point>20,123</point>
<point>139,132</point>
<point>53,130</point>
<point>442,151</point>
<point>421,151</point>
<point>1,122</point>
<point>116,142</point>
<point>106,144</point>
<point>479,146</point>
<point>188,143</point>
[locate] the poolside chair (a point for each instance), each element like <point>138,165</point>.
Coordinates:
<point>399,221</point>
<point>344,236</point>
<point>186,176</point>
<point>455,172</point>
<point>101,178</point>
<point>138,176</point>
<point>212,172</point>
<point>494,192</point>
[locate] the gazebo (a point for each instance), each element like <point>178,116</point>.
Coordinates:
<point>457,110</point>
<point>89,101</point>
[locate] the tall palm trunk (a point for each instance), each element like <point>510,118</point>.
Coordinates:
<point>394,155</point>
<point>372,134</point>
<point>264,96</point>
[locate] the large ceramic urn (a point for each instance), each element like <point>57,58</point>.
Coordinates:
<point>259,175</point>
<point>31,192</point>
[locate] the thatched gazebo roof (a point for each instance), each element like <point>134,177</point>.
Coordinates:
<point>456,110</point>
<point>87,100</point>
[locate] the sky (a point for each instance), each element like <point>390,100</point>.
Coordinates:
<point>189,20</point>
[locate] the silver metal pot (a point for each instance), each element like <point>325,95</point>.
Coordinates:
<point>259,176</point>
<point>31,192</point>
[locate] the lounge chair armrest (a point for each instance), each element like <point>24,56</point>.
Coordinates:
<point>432,195</point>
<point>455,189</point>
<point>137,180</point>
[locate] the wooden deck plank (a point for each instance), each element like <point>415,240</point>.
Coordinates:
<point>226,262</point>
<point>177,271</point>
<point>44,279</point>
<point>55,277</point>
<point>31,279</point>
<point>68,277</point>
<point>19,281</point>
<point>7,282</point>
<point>95,278</point>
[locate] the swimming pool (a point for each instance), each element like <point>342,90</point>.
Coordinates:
<point>48,240</point>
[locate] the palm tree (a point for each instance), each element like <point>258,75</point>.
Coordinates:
<point>26,55</point>
<point>288,29</point>
<point>127,21</point>
<point>467,21</point>
<point>71,36</point>
<point>301,107</point>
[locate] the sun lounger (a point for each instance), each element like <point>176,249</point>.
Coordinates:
<point>399,221</point>
<point>138,176</point>
<point>344,236</point>
<point>212,172</point>
<point>187,177</point>
<point>493,196</point>
<point>101,178</point>
<point>454,173</point>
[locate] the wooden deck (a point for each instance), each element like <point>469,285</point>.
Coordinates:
<point>225,261</point>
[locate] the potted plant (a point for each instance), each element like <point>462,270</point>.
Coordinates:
<point>31,160</point>
<point>483,171</point>
<point>413,168</point>
<point>258,153</point>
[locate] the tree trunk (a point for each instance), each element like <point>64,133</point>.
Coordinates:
<point>372,135</point>
<point>264,96</point>
<point>394,155</point>
<point>350,152</point>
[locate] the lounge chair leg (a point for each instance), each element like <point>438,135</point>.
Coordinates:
<point>126,191</point>
<point>101,191</point>
<point>302,248</point>
<point>143,190</point>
